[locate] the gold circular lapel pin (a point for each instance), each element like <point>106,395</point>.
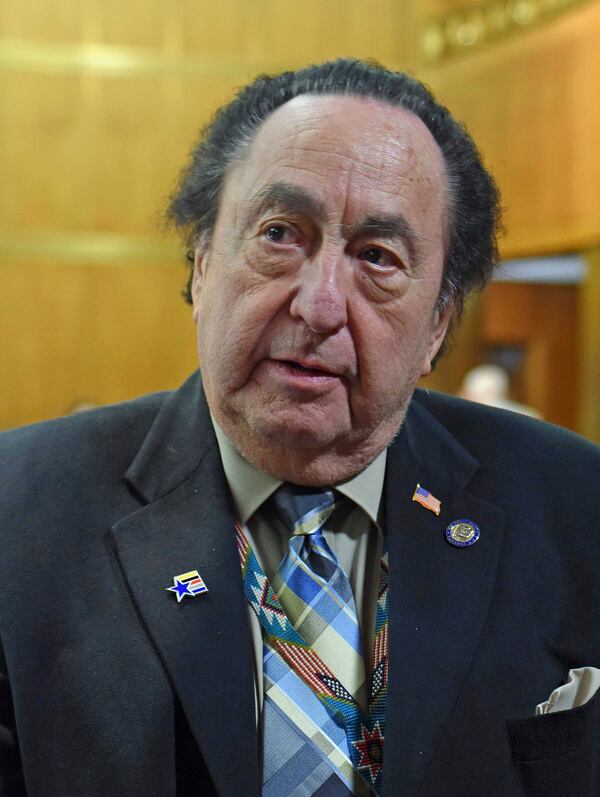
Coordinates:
<point>462,533</point>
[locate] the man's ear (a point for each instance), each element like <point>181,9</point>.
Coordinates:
<point>439,327</point>
<point>198,275</point>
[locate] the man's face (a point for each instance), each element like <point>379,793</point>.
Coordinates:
<point>315,297</point>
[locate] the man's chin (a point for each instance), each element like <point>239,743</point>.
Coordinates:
<point>297,434</point>
<point>292,460</point>
<point>303,447</point>
<point>302,453</point>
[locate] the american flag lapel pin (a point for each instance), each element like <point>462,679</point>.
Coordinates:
<point>187,584</point>
<point>426,499</point>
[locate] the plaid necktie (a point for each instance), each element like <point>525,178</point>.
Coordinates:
<point>316,738</point>
<point>311,585</point>
<point>315,594</point>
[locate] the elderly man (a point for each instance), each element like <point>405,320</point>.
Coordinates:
<point>296,575</point>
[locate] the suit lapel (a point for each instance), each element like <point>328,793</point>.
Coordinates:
<point>203,642</point>
<point>439,594</point>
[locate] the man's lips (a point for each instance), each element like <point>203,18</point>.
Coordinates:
<point>307,376</point>
<point>308,367</point>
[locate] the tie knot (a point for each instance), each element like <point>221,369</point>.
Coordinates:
<point>302,510</point>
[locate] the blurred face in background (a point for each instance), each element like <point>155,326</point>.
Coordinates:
<point>315,298</point>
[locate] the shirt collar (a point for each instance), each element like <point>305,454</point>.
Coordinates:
<point>366,487</point>
<point>250,487</point>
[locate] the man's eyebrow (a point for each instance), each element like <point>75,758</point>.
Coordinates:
<point>389,227</point>
<point>287,197</point>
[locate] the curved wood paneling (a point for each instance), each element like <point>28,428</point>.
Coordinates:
<point>531,103</point>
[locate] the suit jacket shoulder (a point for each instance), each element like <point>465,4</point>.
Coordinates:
<point>93,437</point>
<point>478,426</point>
<point>514,449</point>
<point>53,466</point>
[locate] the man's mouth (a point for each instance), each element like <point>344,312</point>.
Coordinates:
<point>305,373</point>
<point>305,369</point>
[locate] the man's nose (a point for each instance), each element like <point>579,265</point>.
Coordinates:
<point>321,299</point>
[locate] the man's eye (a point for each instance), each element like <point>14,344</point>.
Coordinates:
<point>379,257</point>
<point>279,233</point>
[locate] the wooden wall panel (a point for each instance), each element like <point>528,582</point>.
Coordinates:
<point>96,334</point>
<point>259,33</point>
<point>589,330</point>
<point>531,103</point>
<point>95,154</point>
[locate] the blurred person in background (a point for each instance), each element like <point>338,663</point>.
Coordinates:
<point>490,384</point>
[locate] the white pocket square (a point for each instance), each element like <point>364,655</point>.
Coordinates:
<point>582,684</point>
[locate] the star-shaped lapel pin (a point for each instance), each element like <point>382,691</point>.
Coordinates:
<point>187,584</point>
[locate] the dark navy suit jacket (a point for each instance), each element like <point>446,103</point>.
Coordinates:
<point>110,687</point>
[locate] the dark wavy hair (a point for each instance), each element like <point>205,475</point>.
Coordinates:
<point>474,203</point>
